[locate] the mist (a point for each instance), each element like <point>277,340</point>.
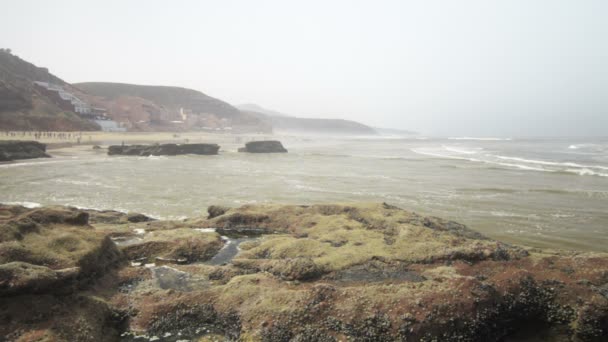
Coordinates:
<point>475,68</point>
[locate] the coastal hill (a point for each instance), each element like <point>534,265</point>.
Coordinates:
<point>24,107</point>
<point>284,123</point>
<point>173,108</point>
<point>31,98</point>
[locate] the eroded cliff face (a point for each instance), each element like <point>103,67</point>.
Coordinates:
<point>365,272</point>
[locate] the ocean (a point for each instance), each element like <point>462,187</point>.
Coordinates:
<point>537,192</point>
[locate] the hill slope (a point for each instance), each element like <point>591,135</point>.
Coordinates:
<point>288,124</point>
<point>22,107</point>
<point>162,107</point>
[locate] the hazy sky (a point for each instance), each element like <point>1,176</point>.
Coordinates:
<point>484,68</point>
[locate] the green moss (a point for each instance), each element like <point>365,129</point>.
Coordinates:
<point>179,244</point>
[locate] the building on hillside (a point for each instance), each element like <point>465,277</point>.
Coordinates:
<point>70,102</point>
<point>110,126</point>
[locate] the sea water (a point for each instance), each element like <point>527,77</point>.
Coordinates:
<point>537,192</point>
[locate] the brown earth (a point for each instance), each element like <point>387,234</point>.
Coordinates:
<point>365,272</point>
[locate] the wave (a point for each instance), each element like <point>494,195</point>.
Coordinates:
<point>480,139</point>
<point>85,183</point>
<point>478,155</point>
<point>29,205</point>
<point>586,172</point>
<point>461,150</point>
<point>33,163</point>
<point>543,162</point>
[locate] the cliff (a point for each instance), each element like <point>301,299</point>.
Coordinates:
<point>23,107</point>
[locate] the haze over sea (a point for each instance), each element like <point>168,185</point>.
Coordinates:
<point>538,192</point>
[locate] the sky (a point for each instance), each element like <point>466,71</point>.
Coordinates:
<point>457,68</point>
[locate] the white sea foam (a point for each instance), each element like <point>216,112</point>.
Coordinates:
<point>34,163</point>
<point>522,167</point>
<point>26,204</point>
<point>586,172</point>
<point>542,162</point>
<point>479,155</point>
<point>480,139</point>
<point>461,150</point>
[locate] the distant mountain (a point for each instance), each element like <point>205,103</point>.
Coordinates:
<point>26,107</point>
<point>252,107</point>
<point>284,123</point>
<point>31,98</point>
<point>160,107</point>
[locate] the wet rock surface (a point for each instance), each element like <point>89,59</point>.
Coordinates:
<point>14,150</point>
<point>366,272</point>
<point>266,146</point>
<point>163,149</point>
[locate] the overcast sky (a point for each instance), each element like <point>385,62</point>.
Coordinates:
<point>483,68</point>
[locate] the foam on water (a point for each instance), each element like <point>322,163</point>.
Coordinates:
<point>29,205</point>
<point>479,155</point>
<point>480,139</point>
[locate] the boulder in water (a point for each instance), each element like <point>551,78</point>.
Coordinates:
<point>266,146</point>
<point>163,149</point>
<point>13,150</point>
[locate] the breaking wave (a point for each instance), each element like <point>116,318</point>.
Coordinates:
<point>480,139</point>
<point>479,155</point>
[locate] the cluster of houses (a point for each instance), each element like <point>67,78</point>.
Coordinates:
<point>68,101</point>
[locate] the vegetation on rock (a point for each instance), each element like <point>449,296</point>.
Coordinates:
<point>365,272</point>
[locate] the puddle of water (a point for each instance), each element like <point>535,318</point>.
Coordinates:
<point>207,331</point>
<point>229,251</point>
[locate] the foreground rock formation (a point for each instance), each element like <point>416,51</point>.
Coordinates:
<point>15,149</point>
<point>266,146</point>
<point>368,272</point>
<point>163,149</point>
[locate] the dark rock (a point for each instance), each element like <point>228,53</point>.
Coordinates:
<point>163,149</point>
<point>22,277</point>
<point>137,217</point>
<point>57,216</point>
<point>267,146</point>
<point>216,210</point>
<point>13,150</point>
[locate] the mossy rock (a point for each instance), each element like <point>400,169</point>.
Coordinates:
<point>184,245</point>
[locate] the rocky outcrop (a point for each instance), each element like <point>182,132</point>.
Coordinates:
<point>163,149</point>
<point>216,210</point>
<point>364,272</point>
<point>13,150</point>
<point>180,245</point>
<point>48,257</point>
<point>267,146</point>
<point>50,250</point>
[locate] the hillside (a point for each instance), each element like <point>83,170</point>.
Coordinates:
<point>252,107</point>
<point>23,107</point>
<point>147,107</point>
<point>284,123</point>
